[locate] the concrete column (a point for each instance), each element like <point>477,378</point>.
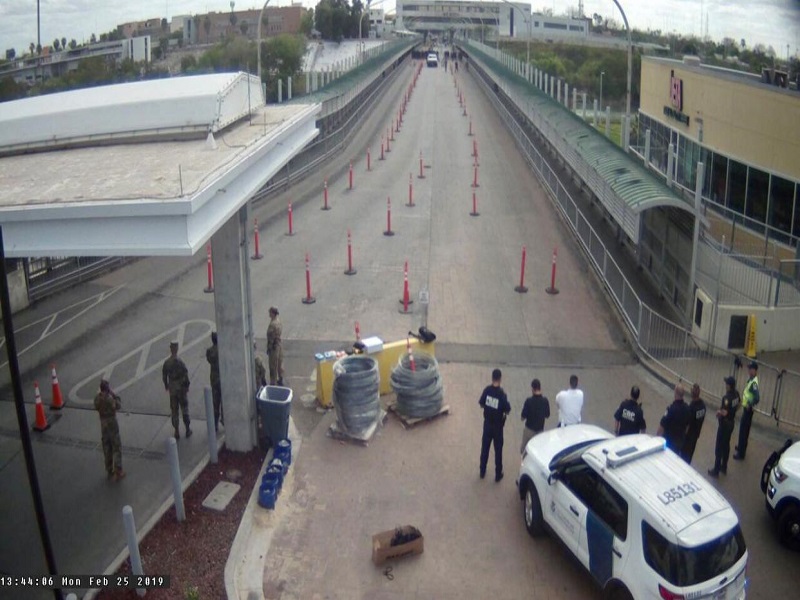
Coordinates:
<point>558,91</point>
<point>594,105</point>
<point>626,128</point>
<point>647,148</point>
<point>280,91</point>
<point>308,82</point>
<point>574,99</point>
<point>233,310</point>
<point>289,88</point>
<point>608,120</point>
<point>566,95</point>
<point>698,200</point>
<point>583,98</point>
<point>552,86</point>
<point>670,159</point>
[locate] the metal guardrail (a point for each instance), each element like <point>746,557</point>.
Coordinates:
<point>671,346</point>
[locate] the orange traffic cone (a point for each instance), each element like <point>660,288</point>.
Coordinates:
<point>58,400</point>
<point>41,420</point>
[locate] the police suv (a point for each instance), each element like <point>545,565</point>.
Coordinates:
<point>780,481</point>
<point>643,522</point>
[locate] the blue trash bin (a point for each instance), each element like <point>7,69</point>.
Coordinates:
<point>283,450</point>
<point>266,495</point>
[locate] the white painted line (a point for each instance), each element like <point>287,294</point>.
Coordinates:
<point>50,330</point>
<point>178,332</point>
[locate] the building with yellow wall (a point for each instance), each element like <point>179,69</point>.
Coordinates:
<point>745,130</point>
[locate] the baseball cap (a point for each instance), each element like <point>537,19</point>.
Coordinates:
<point>753,365</point>
<point>730,380</point>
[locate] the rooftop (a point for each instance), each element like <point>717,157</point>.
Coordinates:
<point>136,171</point>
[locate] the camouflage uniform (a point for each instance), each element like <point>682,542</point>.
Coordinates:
<point>107,403</point>
<point>212,356</point>
<point>176,380</point>
<point>261,372</point>
<point>274,351</point>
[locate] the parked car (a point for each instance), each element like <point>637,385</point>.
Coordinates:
<point>643,522</point>
<point>780,481</point>
<point>432,60</point>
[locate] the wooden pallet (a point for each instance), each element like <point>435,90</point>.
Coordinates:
<point>335,432</point>
<point>409,422</point>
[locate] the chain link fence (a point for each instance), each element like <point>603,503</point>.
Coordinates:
<point>673,348</point>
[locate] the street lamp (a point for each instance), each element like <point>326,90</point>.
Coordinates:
<point>601,92</point>
<point>260,18</point>
<point>529,33</point>
<point>630,69</point>
<point>360,43</point>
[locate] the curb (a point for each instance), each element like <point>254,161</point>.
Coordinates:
<point>154,518</point>
<point>244,569</point>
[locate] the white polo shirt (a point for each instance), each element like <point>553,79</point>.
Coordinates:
<point>570,404</point>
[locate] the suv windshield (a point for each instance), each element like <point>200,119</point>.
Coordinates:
<point>689,566</point>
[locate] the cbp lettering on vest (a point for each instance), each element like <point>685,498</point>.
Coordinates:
<point>629,417</point>
<point>750,397</point>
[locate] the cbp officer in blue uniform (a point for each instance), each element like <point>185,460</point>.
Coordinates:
<point>495,405</point>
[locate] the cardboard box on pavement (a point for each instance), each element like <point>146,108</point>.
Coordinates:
<point>382,550</point>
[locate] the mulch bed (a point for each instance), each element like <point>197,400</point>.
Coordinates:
<point>194,553</point>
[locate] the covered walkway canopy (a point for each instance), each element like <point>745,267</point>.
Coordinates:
<point>139,169</point>
<point>153,168</point>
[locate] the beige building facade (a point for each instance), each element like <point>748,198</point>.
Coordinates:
<point>746,132</point>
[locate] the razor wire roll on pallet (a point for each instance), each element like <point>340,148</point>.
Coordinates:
<point>419,391</point>
<point>356,394</point>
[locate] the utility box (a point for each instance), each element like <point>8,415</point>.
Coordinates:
<point>274,404</point>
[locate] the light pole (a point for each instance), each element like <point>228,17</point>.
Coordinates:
<point>630,69</point>
<point>529,31</point>
<point>360,43</point>
<point>260,18</point>
<point>601,92</point>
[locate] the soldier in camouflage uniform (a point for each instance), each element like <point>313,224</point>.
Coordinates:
<point>107,403</point>
<point>175,376</point>
<point>212,356</point>
<point>274,349</point>
<point>261,369</point>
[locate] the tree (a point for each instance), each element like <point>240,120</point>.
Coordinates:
<point>207,26</point>
<point>57,44</point>
<point>10,89</point>
<point>32,48</point>
<point>73,44</point>
<point>11,54</point>
<point>64,43</point>
<point>307,21</point>
<point>93,39</point>
<point>243,27</point>
<point>233,19</point>
<point>188,63</point>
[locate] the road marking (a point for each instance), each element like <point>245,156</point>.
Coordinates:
<point>50,320</point>
<point>176,333</point>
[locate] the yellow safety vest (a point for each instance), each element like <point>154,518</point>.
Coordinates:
<point>747,394</point>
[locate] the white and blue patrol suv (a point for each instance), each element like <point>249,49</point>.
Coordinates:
<point>643,522</point>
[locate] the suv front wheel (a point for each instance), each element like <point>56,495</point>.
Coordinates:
<point>789,526</point>
<point>532,511</point>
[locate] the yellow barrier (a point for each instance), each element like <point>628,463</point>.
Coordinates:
<point>751,337</point>
<point>387,359</point>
